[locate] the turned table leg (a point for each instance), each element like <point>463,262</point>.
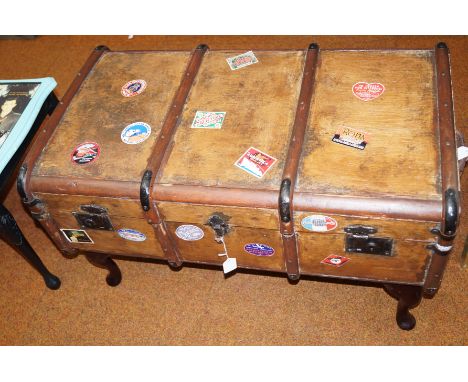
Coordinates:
<point>409,297</point>
<point>104,261</point>
<point>12,235</point>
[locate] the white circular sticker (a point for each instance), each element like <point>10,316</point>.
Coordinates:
<point>131,234</point>
<point>133,88</point>
<point>189,232</point>
<point>135,133</point>
<point>319,223</point>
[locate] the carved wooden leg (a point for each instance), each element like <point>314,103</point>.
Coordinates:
<point>104,261</point>
<point>409,297</point>
<point>11,234</point>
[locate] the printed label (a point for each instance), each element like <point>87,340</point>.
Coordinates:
<point>133,88</point>
<point>135,133</point>
<point>85,153</point>
<point>78,236</point>
<point>244,59</point>
<point>131,234</point>
<point>259,249</point>
<point>366,92</point>
<point>255,162</point>
<point>189,232</point>
<point>208,119</point>
<point>351,137</point>
<point>335,260</point>
<point>319,223</point>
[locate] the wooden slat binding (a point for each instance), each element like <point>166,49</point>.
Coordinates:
<point>160,151</point>
<point>285,200</point>
<point>449,172</point>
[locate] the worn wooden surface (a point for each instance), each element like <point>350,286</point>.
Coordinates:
<point>260,102</point>
<point>401,157</point>
<point>406,266</point>
<point>206,249</point>
<point>99,113</point>
<point>123,213</point>
<point>397,229</point>
<point>239,216</point>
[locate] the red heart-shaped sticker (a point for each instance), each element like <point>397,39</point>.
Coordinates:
<point>367,91</point>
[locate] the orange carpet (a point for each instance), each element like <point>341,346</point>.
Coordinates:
<point>198,306</point>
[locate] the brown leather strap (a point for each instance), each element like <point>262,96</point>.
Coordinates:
<point>161,152</point>
<point>292,164</point>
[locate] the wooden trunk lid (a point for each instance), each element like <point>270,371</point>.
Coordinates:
<point>401,155</point>
<point>99,113</point>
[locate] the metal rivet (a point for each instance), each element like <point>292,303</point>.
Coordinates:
<point>445,104</point>
<point>447,143</point>
<point>443,74</point>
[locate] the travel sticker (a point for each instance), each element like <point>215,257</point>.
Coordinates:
<point>335,260</point>
<point>135,133</point>
<point>85,153</point>
<point>255,162</point>
<point>78,236</point>
<point>208,120</point>
<point>189,232</point>
<point>242,60</point>
<point>133,88</point>
<point>366,92</point>
<point>131,234</point>
<point>351,137</point>
<point>259,249</point>
<point>319,223</point>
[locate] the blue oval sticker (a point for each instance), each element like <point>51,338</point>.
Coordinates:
<point>259,249</point>
<point>131,234</point>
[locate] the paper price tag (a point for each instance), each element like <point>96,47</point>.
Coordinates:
<point>229,265</point>
<point>462,152</point>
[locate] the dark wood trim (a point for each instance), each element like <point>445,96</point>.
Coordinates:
<point>240,197</point>
<point>286,202</point>
<point>449,171</point>
<point>40,141</point>
<point>395,208</point>
<point>85,186</point>
<point>448,145</point>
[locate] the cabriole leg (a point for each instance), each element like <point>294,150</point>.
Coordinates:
<point>409,297</point>
<point>104,261</point>
<point>11,234</point>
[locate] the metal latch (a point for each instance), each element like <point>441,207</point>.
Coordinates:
<point>359,240</point>
<point>94,217</point>
<point>219,223</point>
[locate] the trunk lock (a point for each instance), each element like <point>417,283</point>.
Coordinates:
<point>94,217</point>
<point>359,240</point>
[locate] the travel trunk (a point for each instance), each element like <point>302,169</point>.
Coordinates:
<point>333,163</point>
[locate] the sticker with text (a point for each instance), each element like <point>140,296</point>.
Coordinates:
<point>208,120</point>
<point>259,249</point>
<point>189,232</point>
<point>135,133</point>
<point>368,91</point>
<point>335,260</point>
<point>255,162</point>
<point>131,234</point>
<point>351,137</point>
<point>85,153</point>
<point>78,236</point>
<point>133,88</point>
<point>319,223</point>
<point>242,60</point>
